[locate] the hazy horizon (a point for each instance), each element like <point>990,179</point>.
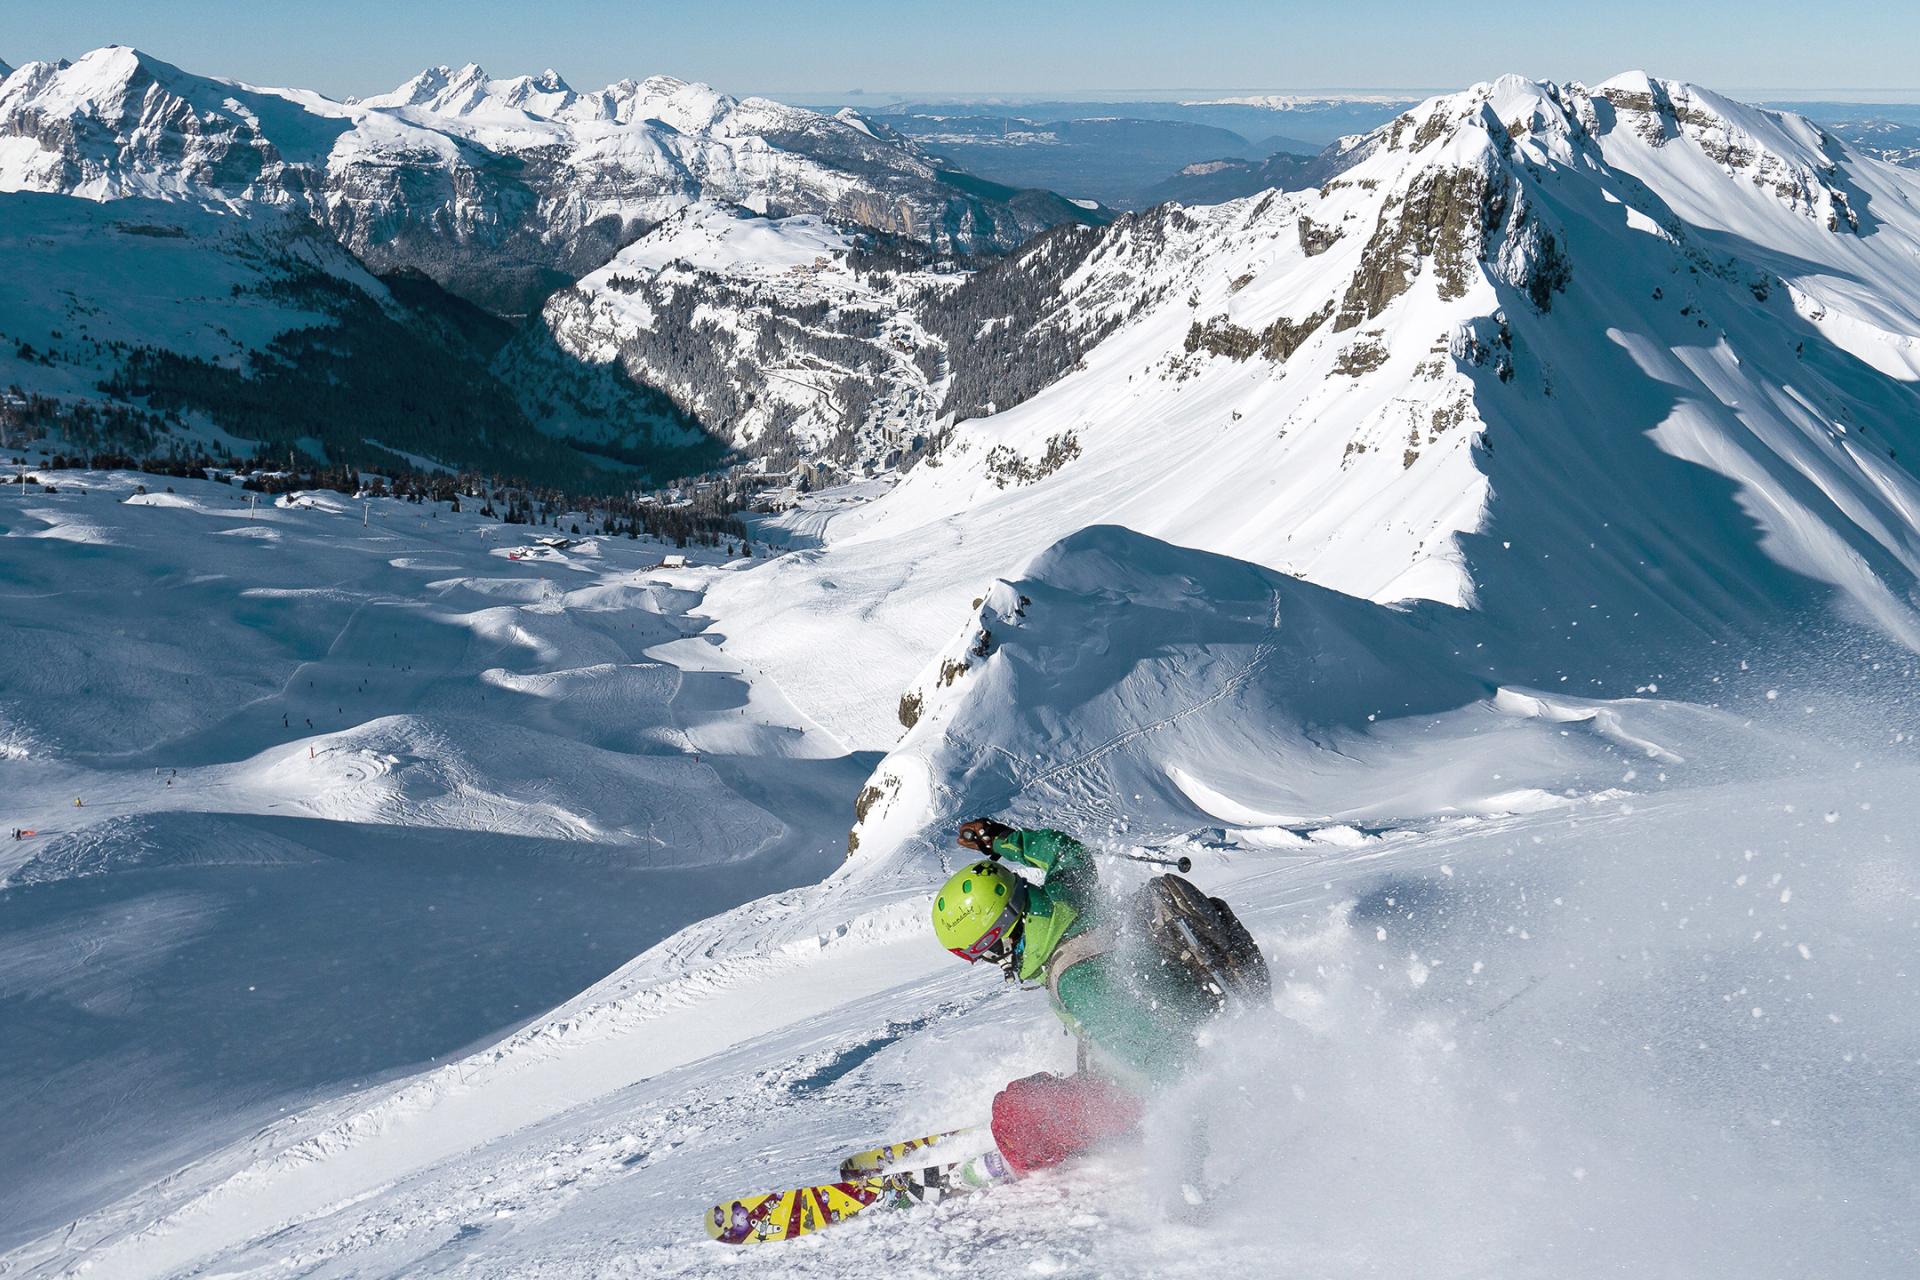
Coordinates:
<point>975,95</point>
<point>842,50</point>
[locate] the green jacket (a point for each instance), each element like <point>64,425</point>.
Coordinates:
<point>1137,1015</point>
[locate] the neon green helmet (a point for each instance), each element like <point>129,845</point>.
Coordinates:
<point>976,911</point>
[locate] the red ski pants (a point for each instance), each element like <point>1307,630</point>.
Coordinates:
<point>1044,1119</point>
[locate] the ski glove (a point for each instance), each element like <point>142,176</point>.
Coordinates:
<point>980,833</point>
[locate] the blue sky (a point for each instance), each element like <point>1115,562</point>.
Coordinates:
<point>825,49</point>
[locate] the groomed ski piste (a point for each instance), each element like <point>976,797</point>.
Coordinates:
<point>1569,787</point>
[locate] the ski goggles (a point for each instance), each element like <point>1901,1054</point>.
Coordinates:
<point>991,942</point>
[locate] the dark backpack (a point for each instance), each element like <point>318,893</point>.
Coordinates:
<point>1181,926</point>
<point>1205,937</point>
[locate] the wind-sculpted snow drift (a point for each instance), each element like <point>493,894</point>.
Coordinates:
<point>1119,677</point>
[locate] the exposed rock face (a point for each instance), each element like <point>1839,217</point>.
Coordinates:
<point>1443,217</point>
<point>792,336</point>
<point>1276,342</point>
<point>1316,239</point>
<point>1455,214</point>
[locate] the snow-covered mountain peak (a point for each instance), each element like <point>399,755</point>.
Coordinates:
<point>24,82</point>
<point>1513,110</point>
<point>1661,111</point>
<point>103,81</point>
<point>688,107</point>
<point>848,116</point>
<point>1482,122</point>
<point>1464,173</point>
<point>543,95</point>
<point>496,187</point>
<point>1779,155</point>
<point>421,89</point>
<point>471,91</point>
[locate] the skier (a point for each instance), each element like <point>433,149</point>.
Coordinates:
<point>1134,1003</point>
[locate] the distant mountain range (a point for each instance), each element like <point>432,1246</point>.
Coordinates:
<point>454,190</point>
<point>498,189</point>
<point>1133,154</point>
<point>213,261</point>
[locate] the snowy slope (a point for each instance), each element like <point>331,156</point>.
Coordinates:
<point>1624,379</point>
<point>200,284</point>
<point>1561,969</point>
<point>359,787</point>
<point>1496,570</point>
<point>500,190</point>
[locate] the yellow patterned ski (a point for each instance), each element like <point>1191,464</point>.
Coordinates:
<point>785,1215</point>
<point>862,1163</point>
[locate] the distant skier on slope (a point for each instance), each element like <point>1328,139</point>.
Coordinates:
<point>1135,980</point>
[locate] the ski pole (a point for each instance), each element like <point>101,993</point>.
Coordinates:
<point>1182,864</point>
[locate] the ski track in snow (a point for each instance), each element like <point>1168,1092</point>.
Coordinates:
<point>1234,680</point>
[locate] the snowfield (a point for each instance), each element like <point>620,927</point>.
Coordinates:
<point>351,798</point>
<point>1527,651</point>
<point>1570,984</point>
